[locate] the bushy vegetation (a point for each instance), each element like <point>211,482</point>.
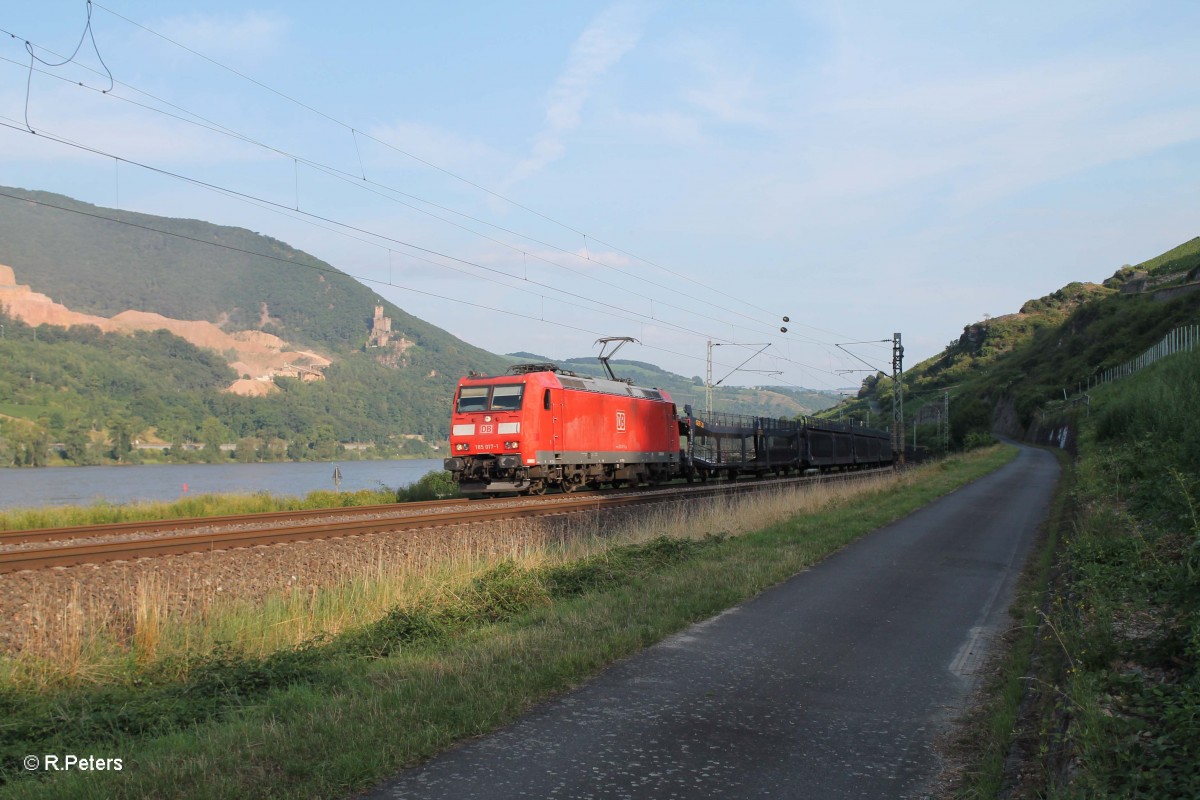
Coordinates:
<point>1112,686</point>
<point>435,485</point>
<point>1129,614</point>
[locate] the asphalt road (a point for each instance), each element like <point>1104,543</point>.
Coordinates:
<point>833,684</point>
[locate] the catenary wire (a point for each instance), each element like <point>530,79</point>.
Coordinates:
<point>332,270</point>
<point>312,216</point>
<point>652,319</point>
<point>193,118</point>
<point>434,166</point>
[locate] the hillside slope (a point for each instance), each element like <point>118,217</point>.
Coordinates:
<point>229,292</point>
<point>999,372</point>
<point>105,261</point>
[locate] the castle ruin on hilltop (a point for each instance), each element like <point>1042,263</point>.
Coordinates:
<point>381,329</point>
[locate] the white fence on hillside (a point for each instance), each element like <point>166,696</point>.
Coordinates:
<point>1179,340</point>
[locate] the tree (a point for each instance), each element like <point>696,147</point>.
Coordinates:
<point>213,434</point>
<point>970,416</point>
<point>120,430</point>
<point>75,443</point>
<point>273,449</point>
<point>32,443</point>
<point>248,448</point>
<point>325,446</point>
<point>297,449</point>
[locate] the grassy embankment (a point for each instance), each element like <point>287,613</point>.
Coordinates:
<point>429,487</point>
<point>1112,649</point>
<point>458,654</point>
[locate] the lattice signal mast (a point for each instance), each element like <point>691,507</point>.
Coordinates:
<point>898,397</point>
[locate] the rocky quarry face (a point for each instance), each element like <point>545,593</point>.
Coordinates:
<point>260,355</point>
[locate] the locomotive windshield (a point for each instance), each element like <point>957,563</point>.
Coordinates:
<point>507,398</point>
<point>472,398</point>
<point>503,398</point>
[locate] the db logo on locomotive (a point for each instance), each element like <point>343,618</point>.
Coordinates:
<point>620,420</point>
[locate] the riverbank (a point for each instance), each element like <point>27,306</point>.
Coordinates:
<point>164,454</point>
<point>34,489</point>
<point>430,486</point>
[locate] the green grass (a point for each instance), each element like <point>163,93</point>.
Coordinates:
<point>1113,707</point>
<point>430,487</point>
<point>202,505</point>
<point>22,411</point>
<point>334,717</point>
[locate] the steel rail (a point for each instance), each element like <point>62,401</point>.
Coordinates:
<point>96,552</point>
<point>184,523</point>
<point>261,518</point>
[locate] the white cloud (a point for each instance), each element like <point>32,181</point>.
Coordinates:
<point>669,126</point>
<point>729,88</point>
<point>725,79</point>
<point>605,41</point>
<point>732,98</point>
<point>860,156</point>
<point>994,130</point>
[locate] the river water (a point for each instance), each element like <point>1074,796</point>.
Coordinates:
<point>58,486</point>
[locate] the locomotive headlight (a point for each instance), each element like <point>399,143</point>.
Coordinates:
<point>462,447</point>
<point>511,445</point>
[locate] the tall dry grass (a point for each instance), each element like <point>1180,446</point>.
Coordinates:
<point>154,623</point>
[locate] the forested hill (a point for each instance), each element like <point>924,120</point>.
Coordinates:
<point>196,270</point>
<point>100,389</point>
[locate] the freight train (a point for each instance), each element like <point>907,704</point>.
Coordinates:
<point>541,427</point>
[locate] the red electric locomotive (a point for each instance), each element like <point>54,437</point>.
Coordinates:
<point>541,426</point>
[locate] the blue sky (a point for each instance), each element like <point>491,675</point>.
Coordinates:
<point>676,172</point>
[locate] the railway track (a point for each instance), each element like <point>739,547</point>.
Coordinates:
<point>172,537</point>
<point>260,519</point>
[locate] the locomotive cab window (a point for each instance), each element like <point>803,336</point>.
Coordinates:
<point>472,398</point>
<point>546,400</point>
<point>507,398</point>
